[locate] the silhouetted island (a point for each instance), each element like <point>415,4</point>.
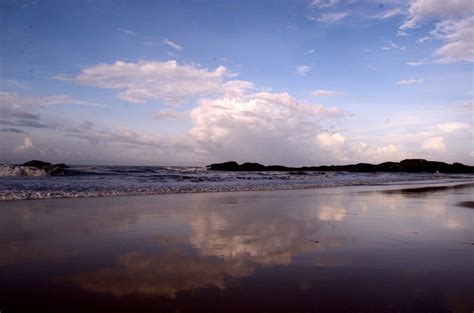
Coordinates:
<point>409,166</point>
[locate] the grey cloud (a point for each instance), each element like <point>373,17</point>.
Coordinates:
<point>24,123</point>
<point>16,113</point>
<point>24,115</point>
<point>12,130</point>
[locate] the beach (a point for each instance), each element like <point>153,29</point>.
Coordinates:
<point>389,248</point>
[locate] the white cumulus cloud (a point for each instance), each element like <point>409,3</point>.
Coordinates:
<point>265,127</point>
<point>26,146</point>
<point>330,140</point>
<point>143,81</point>
<point>434,143</point>
<point>378,153</point>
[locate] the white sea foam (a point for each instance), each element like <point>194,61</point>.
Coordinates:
<point>17,170</point>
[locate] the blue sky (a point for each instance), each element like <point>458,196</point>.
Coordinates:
<point>195,82</point>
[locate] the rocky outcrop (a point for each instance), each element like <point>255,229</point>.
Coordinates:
<point>409,166</point>
<point>51,169</point>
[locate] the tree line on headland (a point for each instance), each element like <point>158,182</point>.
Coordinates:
<point>408,166</point>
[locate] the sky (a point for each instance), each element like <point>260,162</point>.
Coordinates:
<point>197,82</point>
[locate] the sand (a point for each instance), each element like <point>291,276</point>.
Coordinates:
<point>348,249</point>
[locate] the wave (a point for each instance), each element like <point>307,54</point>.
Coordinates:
<point>68,191</point>
<point>18,170</point>
<point>21,182</point>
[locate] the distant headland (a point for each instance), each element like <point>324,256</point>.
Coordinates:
<point>408,166</point>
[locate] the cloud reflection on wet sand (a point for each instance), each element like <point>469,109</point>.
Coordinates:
<point>169,245</point>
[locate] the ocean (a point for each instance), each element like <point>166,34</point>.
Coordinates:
<point>23,183</point>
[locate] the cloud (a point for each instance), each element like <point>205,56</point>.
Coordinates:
<point>422,40</point>
<point>262,127</point>
<point>20,110</point>
<point>420,10</point>
<point>127,31</point>
<point>467,105</point>
<point>143,81</point>
<point>411,81</point>
<point>455,28</point>
<point>330,18</point>
<point>17,101</point>
<point>388,14</point>
<point>172,44</point>
<point>420,62</point>
<point>453,127</point>
<point>17,84</point>
<point>458,40</point>
<point>321,4</point>
<point>330,141</point>
<point>435,143</point>
<point>26,146</point>
<point>325,93</point>
<point>302,70</point>
<point>125,135</point>
<point>24,123</point>
<point>170,114</point>
<point>391,45</point>
<point>12,130</point>
<point>311,51</point>
<point>227,119</point>
<point>26,4</point>
<point>376,154</point>
<point>19,114</point>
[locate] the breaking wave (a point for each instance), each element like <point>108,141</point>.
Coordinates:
<point>18,170</point>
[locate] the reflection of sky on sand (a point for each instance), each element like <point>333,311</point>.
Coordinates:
<point>161,274</point>
<point>436,206</point>
<point>169,244</point>
<point>271,240</point>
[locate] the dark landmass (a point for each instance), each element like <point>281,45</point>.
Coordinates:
<point>408,166</point>
<point>51,169</point>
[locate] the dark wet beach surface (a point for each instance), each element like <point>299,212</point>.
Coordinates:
<point>348,249</point>
<point>467,204</point>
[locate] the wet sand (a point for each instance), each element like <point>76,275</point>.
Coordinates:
<point>350,249</point>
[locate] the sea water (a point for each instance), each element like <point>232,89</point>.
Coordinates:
<point>21,183</point>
